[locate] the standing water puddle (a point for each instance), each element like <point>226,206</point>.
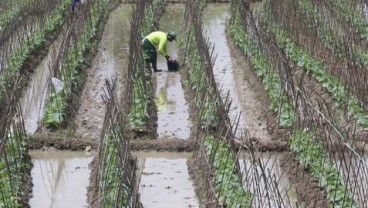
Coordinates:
<point>60,179</point>
<point>173,117</point>
<point>165,180</point>
<point>227,74</point>
<point>172,108</point>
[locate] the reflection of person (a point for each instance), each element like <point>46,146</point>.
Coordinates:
<point>74,3</point>
<point>156,42</point>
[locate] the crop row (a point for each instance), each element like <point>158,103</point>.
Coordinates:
<point>300,144</point>
<point>316,20</point>
<point>70,73</point>
<point>15,166</point>
<point>32,44</point>
<point>317,68</point>
<point>224,182</point>
<point>142,90</point>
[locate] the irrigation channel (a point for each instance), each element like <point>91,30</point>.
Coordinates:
<point>61,179</point>
<point>230,73</point>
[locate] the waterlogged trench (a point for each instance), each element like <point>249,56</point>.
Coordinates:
<point>173,116</point>
<point>110,61</point>
<point>60,179</point>
<point>231,77</point>
<point>165,181</point>
<point>34,97</point>
<point>280,187</point>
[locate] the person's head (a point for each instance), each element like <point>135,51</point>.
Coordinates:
<point>171,36</point>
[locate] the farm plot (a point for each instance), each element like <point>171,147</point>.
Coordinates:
<point>59,179</point>
<point>172,109</point>
<point>240,57</point>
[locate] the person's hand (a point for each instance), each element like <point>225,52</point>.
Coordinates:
<point>168,58</point>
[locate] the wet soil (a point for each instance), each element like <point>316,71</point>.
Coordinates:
<point>51,141</point>
<point>308,192</point>
<point>254,101</point>
<point>92,189</point>
<point>172,145</point>
<point>200,172</point>
<point>110,61</point>
<point>165,180</point>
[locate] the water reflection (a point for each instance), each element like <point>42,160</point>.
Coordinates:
<point>60,179</point>
<point>34,97</point>
<point>173,112</point>
<point>214,25</point>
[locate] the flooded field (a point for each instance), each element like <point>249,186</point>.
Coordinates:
<point>60,179</point>
<point>229,74</point>
<point>173,111</point>
<point>111,61</point>
<point>165,180</point>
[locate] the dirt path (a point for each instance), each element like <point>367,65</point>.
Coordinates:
<point>110,61</point>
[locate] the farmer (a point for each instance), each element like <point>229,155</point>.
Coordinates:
<point>74,3</point>
<point>156,42</point>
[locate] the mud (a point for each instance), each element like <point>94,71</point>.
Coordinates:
<point>172,109</point>
<point>171,145</point>
<point>165,180</point>
<point>51,141</point>
<point>308,192</point>
<point>253,99</point>
<point>110,61</point>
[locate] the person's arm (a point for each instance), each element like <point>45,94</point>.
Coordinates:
<point>162,48</point>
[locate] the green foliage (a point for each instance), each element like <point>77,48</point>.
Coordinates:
<point>69,74</point>
<point>346,12</point>
<point>316,19</point>
<point>7,16</point>
<point>13,168</point>
<point>112,172</point>
<point>33,43</point>
<point>318,70</point>
<point>269,76</point>
<point>229,188</point>
<point>139,110</point>
<point>310,154</point>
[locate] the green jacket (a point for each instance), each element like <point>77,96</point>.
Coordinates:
<point>159,40</point>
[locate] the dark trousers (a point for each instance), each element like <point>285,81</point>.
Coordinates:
<point>150,54</point>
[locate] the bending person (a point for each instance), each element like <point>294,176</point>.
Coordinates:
<point>156,42</point>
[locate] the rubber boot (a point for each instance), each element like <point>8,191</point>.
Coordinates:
<point>154,66</point>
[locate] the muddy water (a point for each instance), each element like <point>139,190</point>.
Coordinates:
<point>164,181</point>
<point>60,179</point>
<point>253,182</point>
<point>34,97</point>
<point>230,75</point>
<point>111,61</point>
<point>173,116</point>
